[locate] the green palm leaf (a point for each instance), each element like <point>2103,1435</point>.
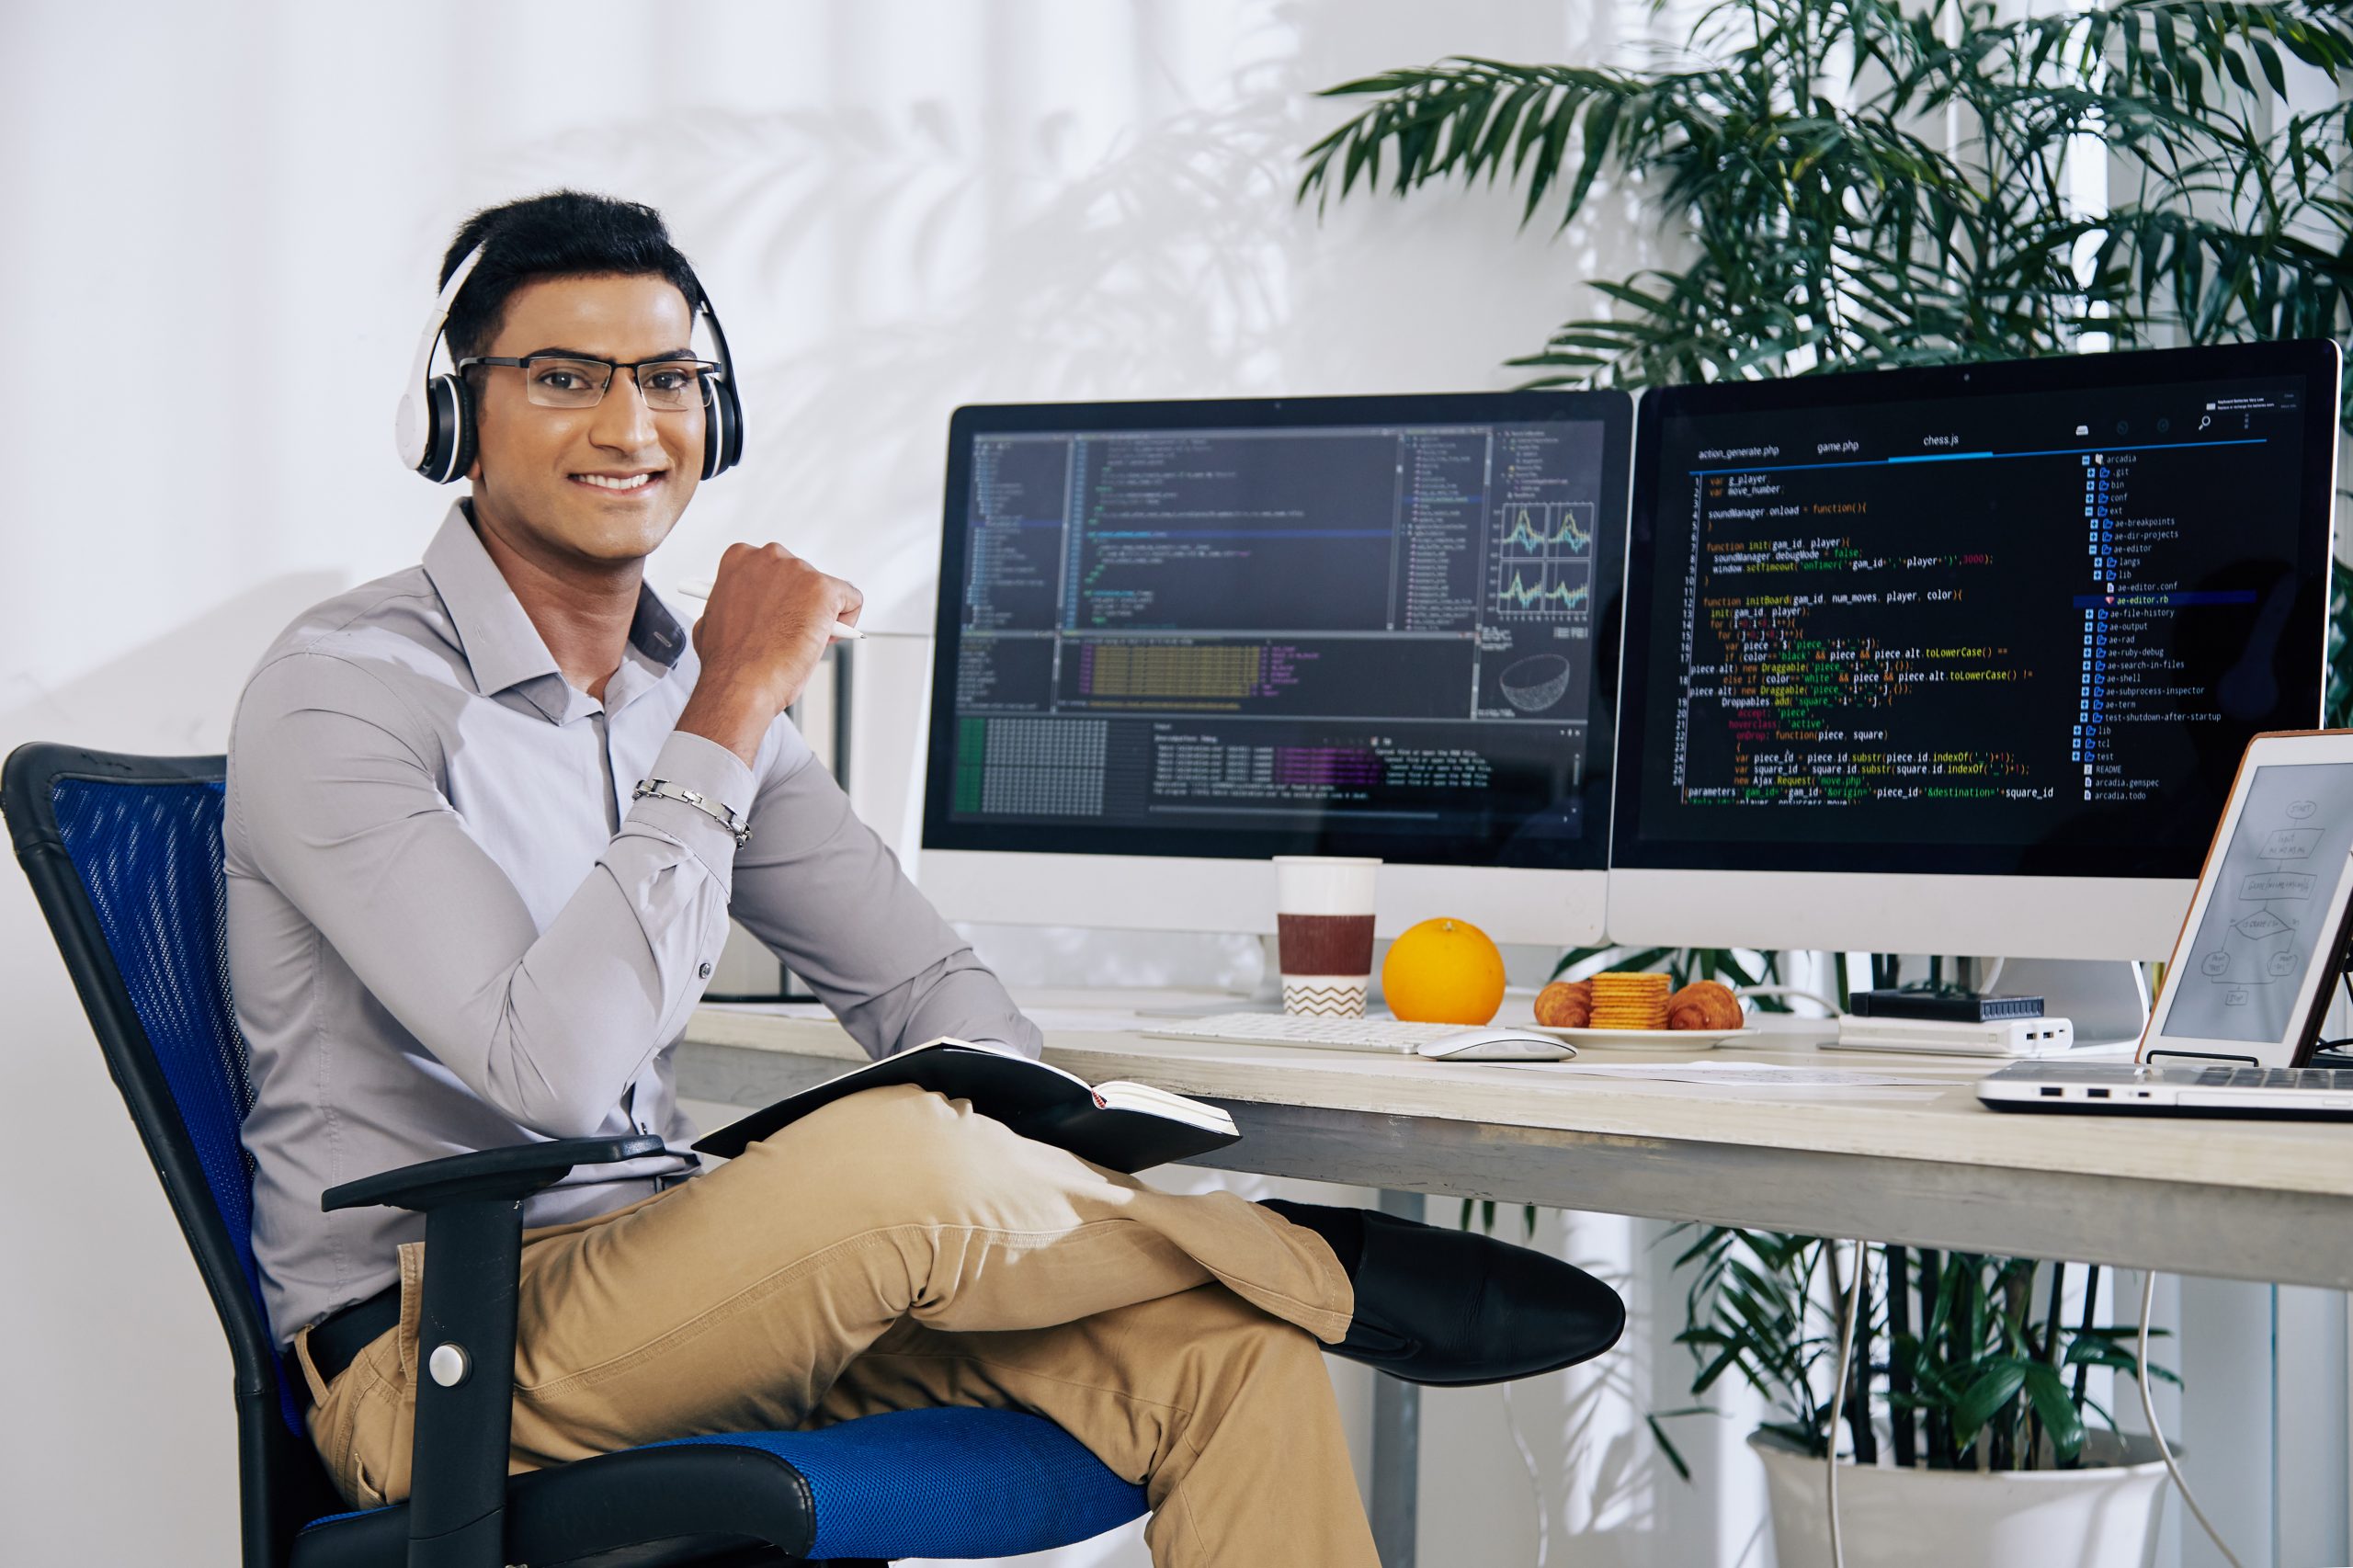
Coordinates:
<point>1797,152</point>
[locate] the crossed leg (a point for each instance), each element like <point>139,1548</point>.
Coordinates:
<point>1225,1415</point>
<point>898,1249</point>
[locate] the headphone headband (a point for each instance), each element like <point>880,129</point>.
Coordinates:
<point>433,427</point>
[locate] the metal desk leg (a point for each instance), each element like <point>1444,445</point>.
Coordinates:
<point>1396,1440</point>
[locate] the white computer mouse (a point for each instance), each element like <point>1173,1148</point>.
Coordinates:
<point>1497,1045</point>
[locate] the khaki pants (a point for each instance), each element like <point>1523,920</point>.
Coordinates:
<point>898,1250</point>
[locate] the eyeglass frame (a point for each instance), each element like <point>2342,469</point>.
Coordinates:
<point>710,370</point>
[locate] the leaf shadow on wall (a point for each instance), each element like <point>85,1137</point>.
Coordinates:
<point>944,268</point>
<point>173,694</point>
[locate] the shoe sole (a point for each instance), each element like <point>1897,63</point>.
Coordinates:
<point>1489,1382</point>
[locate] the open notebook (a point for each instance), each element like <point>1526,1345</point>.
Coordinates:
<point>1119,1125</point>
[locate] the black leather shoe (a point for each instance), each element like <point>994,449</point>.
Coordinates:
<point>1451,1307</point>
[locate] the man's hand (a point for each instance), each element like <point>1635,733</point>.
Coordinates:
<point>761,634</point>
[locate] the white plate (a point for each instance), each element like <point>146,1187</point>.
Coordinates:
<point>1643,1040</point>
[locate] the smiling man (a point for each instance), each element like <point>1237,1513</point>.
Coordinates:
<point>487,820</point>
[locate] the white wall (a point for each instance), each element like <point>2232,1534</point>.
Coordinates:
<point>222,227</point>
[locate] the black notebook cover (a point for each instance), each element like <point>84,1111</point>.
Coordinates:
<point>1035,1100</point>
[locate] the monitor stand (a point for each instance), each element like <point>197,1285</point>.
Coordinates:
<point>2106,1000</point>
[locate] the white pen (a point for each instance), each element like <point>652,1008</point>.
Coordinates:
<point>701,589</point>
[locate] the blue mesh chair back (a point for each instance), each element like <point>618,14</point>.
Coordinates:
<point>124,856</point>
<point>149,857</point>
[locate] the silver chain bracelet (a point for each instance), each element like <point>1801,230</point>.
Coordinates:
<point>722,815</point>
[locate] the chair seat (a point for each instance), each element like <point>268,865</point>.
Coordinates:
<point>945,1483</point>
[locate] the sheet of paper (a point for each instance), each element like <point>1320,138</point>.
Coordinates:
<point>1057,1020</point>
<point>1092,1020</point>
<point>1753,1074</point>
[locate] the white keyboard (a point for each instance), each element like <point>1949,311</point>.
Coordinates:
<point>1328,1034</point>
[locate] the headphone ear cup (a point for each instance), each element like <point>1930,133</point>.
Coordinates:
<point>461,431</point>
<point>449,430</point>
<point>722,430</point>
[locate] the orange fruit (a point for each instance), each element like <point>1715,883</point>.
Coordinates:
<point>1443,972</point>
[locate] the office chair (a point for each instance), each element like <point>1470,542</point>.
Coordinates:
<point>124,856</point>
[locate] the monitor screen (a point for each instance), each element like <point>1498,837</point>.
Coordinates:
<point>1366,626</point>
<point>2003,618</point>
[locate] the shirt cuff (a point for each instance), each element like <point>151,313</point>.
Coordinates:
<point>711,770</point>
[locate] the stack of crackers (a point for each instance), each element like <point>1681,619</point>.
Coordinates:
<point>1630,1001</point>
<point>1624,999</point>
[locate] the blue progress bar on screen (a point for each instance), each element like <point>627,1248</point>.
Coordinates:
<point>1981,456</point>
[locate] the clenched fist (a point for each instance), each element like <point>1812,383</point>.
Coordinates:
<point>761,634</point>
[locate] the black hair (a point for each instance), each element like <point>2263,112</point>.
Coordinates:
<point>562,233</point>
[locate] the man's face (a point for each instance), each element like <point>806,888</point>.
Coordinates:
<point>564,484</point>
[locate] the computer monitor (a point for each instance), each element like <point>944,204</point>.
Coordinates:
<point>1961,660</point>
<point>1177,638</point>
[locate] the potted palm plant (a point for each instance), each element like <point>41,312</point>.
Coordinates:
<point>1855,184</point>
<point>1867,183</point>
<point>1968,1408</point>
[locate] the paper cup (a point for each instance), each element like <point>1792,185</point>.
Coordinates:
<point>1324,933</point>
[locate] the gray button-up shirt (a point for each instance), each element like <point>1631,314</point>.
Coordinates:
<point>450,928</point>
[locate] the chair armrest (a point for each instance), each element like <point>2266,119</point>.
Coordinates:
<point>513,1173</point>
<point>473,1237</point>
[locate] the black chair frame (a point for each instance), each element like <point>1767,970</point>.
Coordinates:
<point>456,1517</point>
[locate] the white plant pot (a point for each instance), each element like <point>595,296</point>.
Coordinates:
<point>2105,1517</point>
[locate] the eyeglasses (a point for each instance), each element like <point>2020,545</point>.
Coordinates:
<point>570,380</point>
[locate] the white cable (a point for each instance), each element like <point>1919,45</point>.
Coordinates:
<point>1838,1394</point>
<point>2164,1451</point>
<point>1535,1481</point>
<point>1816,997</point>
<point>1990,978</point>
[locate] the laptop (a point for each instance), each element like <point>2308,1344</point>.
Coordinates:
<point>2302,1093</point>
<point>2237,1025</point>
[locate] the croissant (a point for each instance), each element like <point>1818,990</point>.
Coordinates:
<point>1704,1005</point>
<point>1566,1005</point>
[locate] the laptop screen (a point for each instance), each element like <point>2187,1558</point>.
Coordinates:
<point>2263,926</point>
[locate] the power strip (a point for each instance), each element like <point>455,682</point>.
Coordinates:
<point>2000,1037</point>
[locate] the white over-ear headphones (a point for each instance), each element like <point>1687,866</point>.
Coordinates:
<point>430,429</point>
<point>433,429</point>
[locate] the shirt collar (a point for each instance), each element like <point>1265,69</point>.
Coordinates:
<point>654,632</point>
<point>503,649</point>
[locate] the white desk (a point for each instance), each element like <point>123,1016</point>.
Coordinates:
<point>1926,1166</point>
<point>1923,1164</point>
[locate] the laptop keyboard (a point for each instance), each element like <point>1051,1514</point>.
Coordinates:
<point>2339,1078</point>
